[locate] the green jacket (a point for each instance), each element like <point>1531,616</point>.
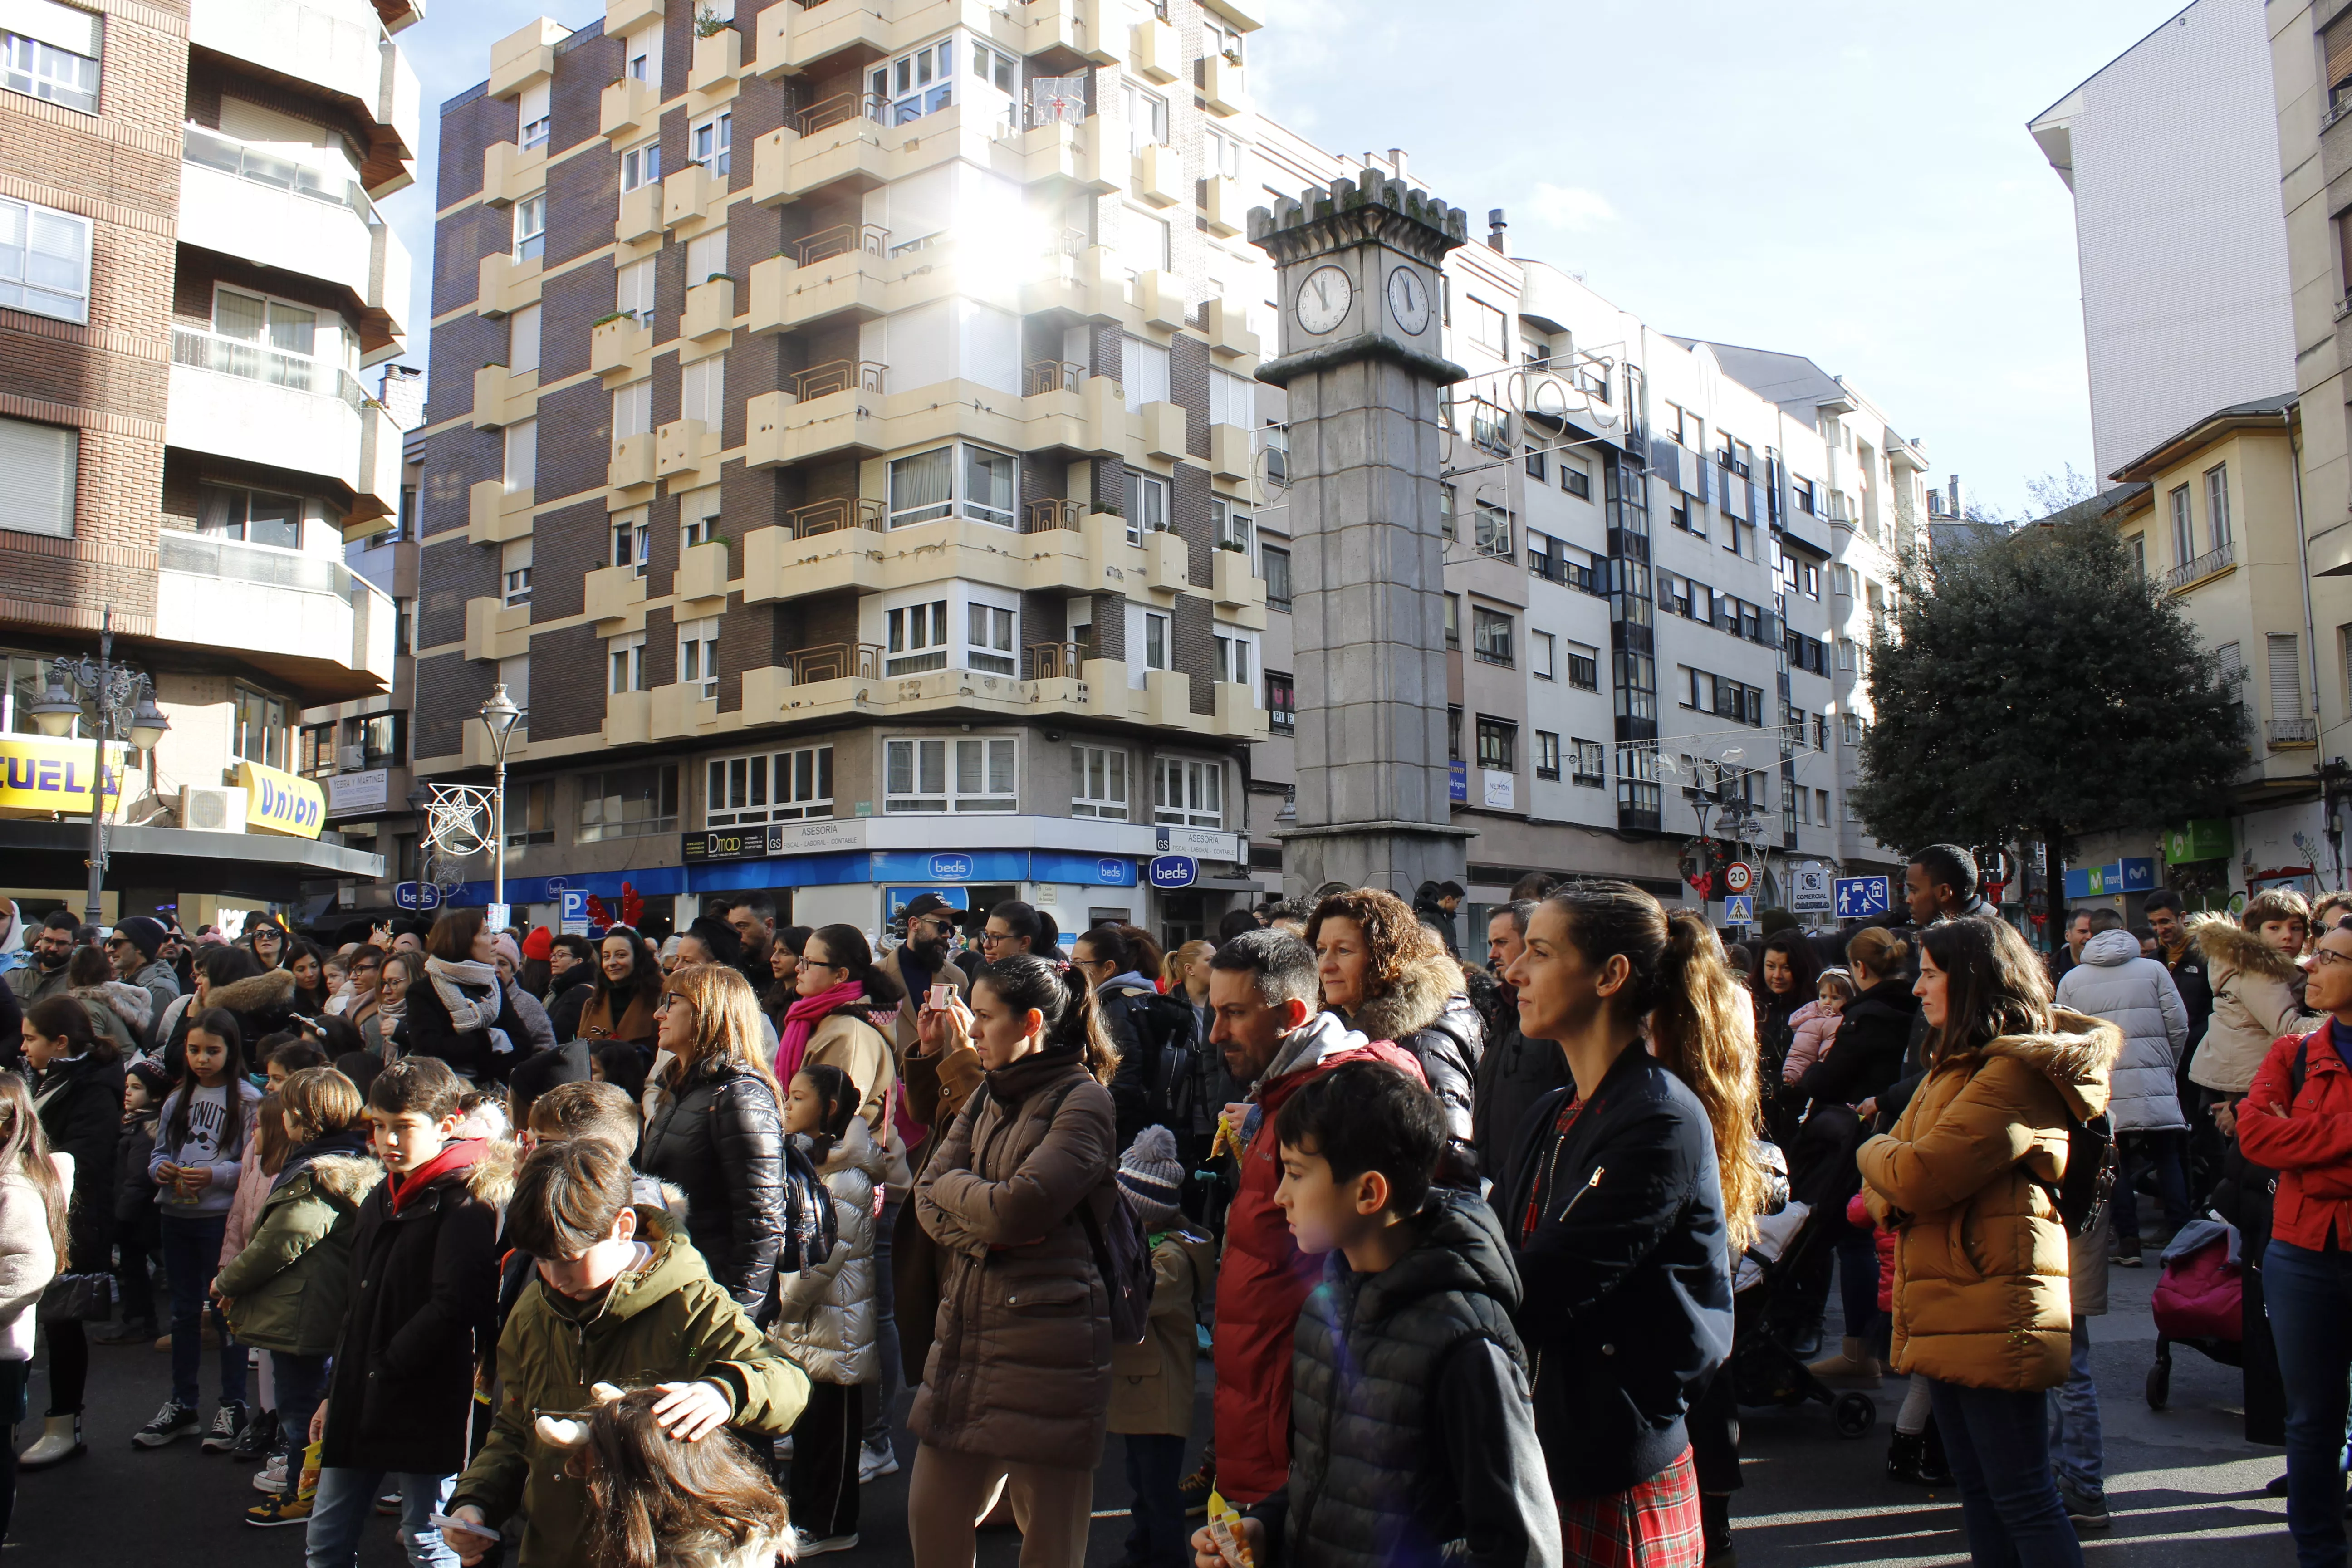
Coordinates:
<point>290,1286</point>
<point>667,1323</point>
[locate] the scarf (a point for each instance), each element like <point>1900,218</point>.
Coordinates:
<point>458,1156</point>
<point>465,1012</point>
<point>800,1021</point>
<point>352,1141</point>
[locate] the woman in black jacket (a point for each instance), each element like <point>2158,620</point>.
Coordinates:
<point>571,978</point>
<point>1631,1192</point>
<point>77,1094</point>
<point>230,977</point>
<point>1391,978</point>
<point>720,1138</point>
<point>458,1010</point>
<point>1875,1029</point>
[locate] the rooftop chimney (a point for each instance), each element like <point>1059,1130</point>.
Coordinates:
<point>1495,227</point>
<point>1954,496</point>
<point>1396,161</point>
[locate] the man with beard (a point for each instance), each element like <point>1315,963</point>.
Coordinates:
<point>753,918</point>
<point>53,945</point>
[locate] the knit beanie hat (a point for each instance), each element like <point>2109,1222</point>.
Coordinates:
<point>144,932</point>
<point>1151,1176</point>
<point>538,943</point>
<point>157,1081</point>
<point>503,946</point>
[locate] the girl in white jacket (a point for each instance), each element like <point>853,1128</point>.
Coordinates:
<point>32,1239</point>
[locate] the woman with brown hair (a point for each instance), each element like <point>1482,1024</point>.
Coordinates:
<point>459,1011</point>
<point>628,985</point>
<point>1387,976</point>
<point>1968,1180</point>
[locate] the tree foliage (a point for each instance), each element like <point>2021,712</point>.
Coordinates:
<point>2039,689</point>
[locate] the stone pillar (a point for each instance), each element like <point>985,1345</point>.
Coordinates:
<point>1360,334</point>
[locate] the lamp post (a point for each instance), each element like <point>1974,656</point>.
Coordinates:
<point>499,716</point>
<point>125,700</point>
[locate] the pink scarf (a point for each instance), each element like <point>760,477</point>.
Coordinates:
<point>800,1021</point>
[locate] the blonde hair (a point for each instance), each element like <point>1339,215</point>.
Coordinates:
<point>1880,950</point>
<point>726,1021</point>
<point>1172,967</point>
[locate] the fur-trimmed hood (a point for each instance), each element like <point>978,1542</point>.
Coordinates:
<point>1418,997</point>
<point>2076,1055</point>
<point>134,1004</point>
<point>271,991</point>
<point>2224,942</point>
<point>491,1177</point>
<point>348,1177</point>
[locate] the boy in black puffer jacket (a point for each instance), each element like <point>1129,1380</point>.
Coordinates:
<point>1412,1436</point>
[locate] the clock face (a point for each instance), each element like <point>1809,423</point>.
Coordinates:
<point>1408,301</point>
<point>1324,299</point>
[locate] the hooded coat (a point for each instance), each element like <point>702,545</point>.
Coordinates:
<point>80,1103</point>
<point>1968,1180</point>
<point>826,1322</point>
<point>1866,1057</point>
<point>2136,996</point>
<point>1153,1380</point>
<point>263,1003</point>
<point>1429,1013</point>
<point>2254,1004</point>
<point>122,1011</point>
<point>288,1285</point>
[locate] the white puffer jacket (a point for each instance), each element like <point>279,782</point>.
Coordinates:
<point>2136,996</point>
<point>825,1315</point>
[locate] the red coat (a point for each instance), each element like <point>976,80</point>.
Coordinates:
<point>2311,1148</point>
<point>1263,1280</point>
<point>1857,1214</point>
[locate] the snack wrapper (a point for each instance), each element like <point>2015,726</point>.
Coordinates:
<point>1226,1529</point>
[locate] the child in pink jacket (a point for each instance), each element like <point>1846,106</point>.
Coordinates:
<point>1815,1023</point>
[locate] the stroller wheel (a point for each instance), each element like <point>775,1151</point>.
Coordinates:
<point>1854,1414</point>
<point>2159,1385</point>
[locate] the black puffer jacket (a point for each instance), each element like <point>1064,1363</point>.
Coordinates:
<point>1429,1013</point>
<point>567,994</point>
<point>80,1105</point>
<point>1867,1055</point>
<point>1513,1073</point>
<point>1143,1023</point>
<point>721,1141</point>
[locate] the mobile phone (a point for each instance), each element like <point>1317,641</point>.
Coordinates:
<point>939,1002</point>
<point>444,1524</point>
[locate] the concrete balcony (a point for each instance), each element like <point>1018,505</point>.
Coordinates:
<point>501,399</point>
<point>324,629</point>
<point>708,324</point>
<point>494,630</point>
<point>525,57</point>
<point>1160,300</point>
<point>1167,564</point>
<point>629,111</point>
<point>1164,430</point>
<point>1084,286</point>
<point>1104,164</point>
<point>1222,86</point>
<point>788,427</point>
<point>628,718</point>
<point>339,48</point>
<point>777,565</point>
<point>1227,325</point>
<point>510,173</point>
<point>1247,16</point>
<point>834,148</point>
<point>701,577</point>
<point>618,347</point>
<point>1225,207</point>
<point>1160,174</point>
<point>626,16</point>
<point>1229,452</point>
<point>495,514</point>
<point>680,710</point>
<point>790,44</point>
<point>1239,718</point>
<point>1090,417</point>
<point>506,285</point>
<point>240,400</point>
<point>1168,700</point>
<point>690,448</point>
<point>1154,53</point>
<point>785,295</point>
<point>632,467</point>
<point>716,71</point>
<point>693,195</point>
<point>614,597</point>
<point>1053,151</point>
<point>376,499</point>
<point>639,216</point>
<point>1237,590</point>
<point>1095,29</point>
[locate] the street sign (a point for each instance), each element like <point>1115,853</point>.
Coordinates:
<point>1810,890</point>
<point>1174,870</point>
<point>574,916</point>
<point>417,896</point>
<point>497,917</point>
<point>1739,877</point>
<point>1859,897</point>
<point>1738,910</point>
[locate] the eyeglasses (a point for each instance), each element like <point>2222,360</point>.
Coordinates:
<point>989,937</point>
<point>2328,955</point>
<point>666,999</point>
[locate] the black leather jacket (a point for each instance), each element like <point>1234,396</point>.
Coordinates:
<point>721,1141</point>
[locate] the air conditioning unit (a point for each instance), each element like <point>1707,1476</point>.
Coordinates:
<point>212,810</point>
<point>351,759</point>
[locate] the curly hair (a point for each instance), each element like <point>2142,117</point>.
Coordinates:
<point>1395,938</point>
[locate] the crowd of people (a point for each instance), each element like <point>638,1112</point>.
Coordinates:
<point>498,1231</point>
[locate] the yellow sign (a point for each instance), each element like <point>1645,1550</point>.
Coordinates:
<point>277,802</point>
<point>44,775</point>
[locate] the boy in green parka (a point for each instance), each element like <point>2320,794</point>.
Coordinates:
<point>620,1300</point>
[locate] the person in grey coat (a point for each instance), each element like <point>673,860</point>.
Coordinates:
<point>2137,995</point>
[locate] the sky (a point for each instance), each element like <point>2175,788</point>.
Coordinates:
<point>1850,181</point>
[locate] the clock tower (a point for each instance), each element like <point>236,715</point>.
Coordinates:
<point>1359,279</point>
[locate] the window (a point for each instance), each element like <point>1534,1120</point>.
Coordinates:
<point>915,84</point>
<point>2138,543</point>
<point>1228,526</point>
<point>1281,703</point>
<point>1540,654</point>
<point>1535,461</point>
<point>641,165</point>
<point>514,674</point>
<point>697,655</point>
<point>1452,620</point>
<point>314,755</point>
<point>531,227</point>
<point>1583,666</point>
<point>1822,806</point>
<point>1490,634</point>
<point>1236,652</point>
<point>918,638</point>
<point>705,257</point>
<point>1098,782</point>
<point>632,543</point>
<point>1486,325</point>
<point>1820,732</point>
<point>633,410</point>
<point>44,260</point>
<point>627,803</point>
<point>260,731</point>
<point>286,341</point>
<point>1143,246</point>
<point>1446,526</point>
<point>702,390</point>
<point>1842,581</point>
<point>964,775</point>
<point>1155,640</point>
<point>626,663</point>
<point>514,566</point>
<point>1498,743</point>
<point>1494,530</point>
<point>2217,507</point>
<point>710,143</point>
<point>1224,155</point>
<point>1589,766</point>
<point>531,114</point>
<point>1547,754</point>
<point>1804,495</point>
<point>1188,792</point>
<point>767,786</point>
<point>382,739</point>
<point>988,486</point>
<point>2184,537</point>
<point>697,516</point>
<point>989,633</point>
<point>50,51</point>
<point>1218,39</point>
<point>996,69</point>
<point>1233,400</point>
<point>641,57</point>
<point>1143,373</point>
<point>1849,729</point>
<point>1490,427</point>
<point>632,292</point>
<point>1147,505</point>
<point>1845,654</point>
<point>1147,118</point>
<point>402,617</point>
<point>1453,734</point>
<point>523,340</point>
<point>1276,566</point>
<point>922,487</point>
<point>531,814</point>
<point>522,455</point>
<point>253,516</point>
<point>1575,479</point>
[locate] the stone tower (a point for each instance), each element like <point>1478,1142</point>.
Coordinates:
<point>1361,330</point>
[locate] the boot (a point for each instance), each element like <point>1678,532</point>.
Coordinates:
<point>1934,1470</point>
<point>1715,1527</point>
<point>1904,1453</point>
<point>1854,1367</point>
<point>61,1440</point>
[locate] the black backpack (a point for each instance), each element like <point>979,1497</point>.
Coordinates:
<point>1122,1256</point>
<point>1164,1028</point>
<point>2089,1184</point>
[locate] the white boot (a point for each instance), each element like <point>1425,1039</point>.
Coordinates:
<point>61,1440</point>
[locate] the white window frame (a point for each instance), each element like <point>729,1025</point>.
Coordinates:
<point>958,760</point>
<point>61,61</point>
<point>697,514</point>
<point>991,625</point>
<point>1233,643</point>
<point>641,57</point>
<point>625,663</point>
<point>998,69</point>
<point>1224,150</point>
<point>519,465</point>
<point>641,164</point>
<point>54,285</point>
<point>1230,528</point>
<point>918,635</point>
<point>702,390</point>
<point>633,410</point>
<point>910,86</point>
<point>1197,785</point>
<point>533,115</point>
<point>44,463</point>
<point>1147,118</point>
<point>2217,507</point>
<point>1100,781</point>
<point>1588,764</point>
<point>530,227</point>
<point>958,501</point>
<point>633,541</point>
<point>784,785</point>
<point>1144,373</point>
<point>697,655</point>
<point>711,142</point>
<point>633,291</point>
<point>1163,625</point>
<point>1147,500</point>
<point>1543,661</point>
<point>514,567</point>
<point>523,340</point>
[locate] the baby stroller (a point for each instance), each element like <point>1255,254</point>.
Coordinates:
<point>2200,1302</point>
<point>1763,1370</point>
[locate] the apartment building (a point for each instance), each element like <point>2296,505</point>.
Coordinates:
<point>191,273</point>
<point>869,508</point>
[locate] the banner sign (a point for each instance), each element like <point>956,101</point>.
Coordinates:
<point>282,803</point>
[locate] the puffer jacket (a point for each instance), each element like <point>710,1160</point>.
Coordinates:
<point>2254,1004</point>
<point>1430,1014</point>
<point>1020,1364</point>
<point>1811,1027</point>
<point>847,1038</point>
<point>1966,1179</point>
<point>121,1011</point>
<point>2136,996</point>
<point>720,1141</point>
<point>286,1288</point>
<point>2305,1137</point>
<point>826,1322</point>
<point>80,1103</point>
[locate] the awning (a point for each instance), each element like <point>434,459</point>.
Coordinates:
<point>244,865</point>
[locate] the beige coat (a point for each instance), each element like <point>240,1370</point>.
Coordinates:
<point>1151,1380</point>
<point>2254,1004</point>
<point>1981,1295</point>
<point>902,1023</point>
<point>825,1314</point>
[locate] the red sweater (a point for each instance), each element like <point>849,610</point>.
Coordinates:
<point>2311,1148</point>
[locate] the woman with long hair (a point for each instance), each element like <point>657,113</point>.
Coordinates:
<point>783,965</point>
<point>1017,1388</point>
<point>385,1026</point>
<point>628,985</point>
<point>841,990</point>
<point>1119,961</point>
<point>656,1501</point>
<point>232,979</point>
<point>35,1241</point>
<point>1785,984</point>
<point>720,1139</point>
<point>309,966</point>
<point>459,1011</point>
<point>571,981</point>
<point>266,939</point>
<point>1631,1190</point>
<point>1968,1180</point>
<point>1389,977</point>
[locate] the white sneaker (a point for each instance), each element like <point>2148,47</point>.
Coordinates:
<point>873,1462</point>
<point>271,1477</point>
<point>807,1545</point>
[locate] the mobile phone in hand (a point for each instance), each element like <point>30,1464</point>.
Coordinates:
<point>938,1001</point>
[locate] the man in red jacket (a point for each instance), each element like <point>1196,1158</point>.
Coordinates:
<point>1263,994</point>
<point>2296,1119</point>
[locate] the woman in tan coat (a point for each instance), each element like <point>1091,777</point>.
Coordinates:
<point>1968,1181</point>
<point>2257,995</point>
<point>1017,1387</point>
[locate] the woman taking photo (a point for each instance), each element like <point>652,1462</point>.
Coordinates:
<point>628,984</point>
<point>77,1094</point>
<point>1966,1180</point>
<point>1631,1190</point>
<point>458,1009</point>
<point>1017,1387</point>
<point>1389,977</point>
<point>830,1021</point>
<point>720,1139</point>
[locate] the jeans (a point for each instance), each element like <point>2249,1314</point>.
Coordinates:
<point>1857,1264</point>
<point>2081,1454</point>
<point>884,1386</point>
<point>2164,1151</point>
<point>1156,1536</point>
<point>345,1503</point>
<point>2309,1296</point>
<point>1997,1444</point>
<point>301,1381</point>
<point>191,1244</point>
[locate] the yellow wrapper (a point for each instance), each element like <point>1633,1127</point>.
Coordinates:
<point>1226,1529</point>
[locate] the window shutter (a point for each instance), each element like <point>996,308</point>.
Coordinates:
<point>37,465</point>
<point>2339,53</point>
<point>2287,678</point>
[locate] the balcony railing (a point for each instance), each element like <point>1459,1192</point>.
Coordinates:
<point>835,661</point>
<point>211,150</point>
<point>840,240</point>
<point>836,376</point>
<point>1051,375</point>
<point>2206,565</point>
<point>232,560</point>
<point>1052,661</point>
<point>2289,734</point>
<point>840,109</point>
<point>1045,516</point>
<point>832,515</point>
<point>257,362</point>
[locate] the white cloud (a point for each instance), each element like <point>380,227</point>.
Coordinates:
<point>1572,207</point>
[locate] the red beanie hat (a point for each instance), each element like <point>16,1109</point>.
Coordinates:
<point>538,943</point>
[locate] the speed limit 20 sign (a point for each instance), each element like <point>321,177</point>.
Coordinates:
<point>1739,877</point>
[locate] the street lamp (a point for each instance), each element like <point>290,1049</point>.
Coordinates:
<point>124,701</point>
<point>499,716</point>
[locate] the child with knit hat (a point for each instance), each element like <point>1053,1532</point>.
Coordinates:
<point>1151,1380</point>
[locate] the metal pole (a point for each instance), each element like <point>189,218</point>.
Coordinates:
<point>498,825</point>
<point>94,904</point>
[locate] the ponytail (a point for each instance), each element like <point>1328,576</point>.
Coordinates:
<point>1058,994</point>
<point>1703,1030</point>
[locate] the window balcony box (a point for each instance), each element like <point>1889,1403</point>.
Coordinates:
<point>614,597</point>
<point>1239,718</point>
<point>1160,299</point>
<point>1225,207</point>
<point>327,628</point>
<point>376,499</point>
<point>501,399</point>
<point>1247,16</point>
<point>1168,700</point>
<point>505,284</point>
<point>1108,694</point>
<point>2290,734</point>
<point>680,710</point>
<point>785,295</point>
<point>1104,163</point>
<point>525,57</point>
<point>494,630</point>
<point>626,16</point>
<point>691,195</point>
<point>639,216</point>
<point>709,317</point>
<point>1160,174</point>
<point>322,46</point>
<point>778,566</point>
<point>1154,53</point>
<point>1238,588</point>
<point>685,445</point>
<point>618,346</point>
<point>783,427</point>
<point>632,467</point>
<point>717,68</point>
<point>833,145</point>
<point>629,111</point>
<point>1228,328</point>
<point>495,514</point>
<point>790,44</point>
<point>702,573</point>
<point>233,400</point>
<point>1164,430</point>
<point>1049,151</point>
<point>1167,562</point>
<point>1229,452</point>
<point>1086,285</point>
<point>510,173</point>
<point>628,718</point>
<point>1222,86</point>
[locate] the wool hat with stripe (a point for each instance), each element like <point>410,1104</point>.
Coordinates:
<point>1151,1176</point>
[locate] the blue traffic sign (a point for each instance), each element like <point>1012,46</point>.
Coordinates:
<point>1174,870</point>
<point>1739,910</point>
<point>417,896</point>
<point>575,904</point>
<point>1859,897</point>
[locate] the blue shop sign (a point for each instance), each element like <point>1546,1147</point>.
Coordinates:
<point>896,899</point>
<point>950,867</point>
<point>1457,780</point>
<point>1175,871</point>
<point>1086,870</point>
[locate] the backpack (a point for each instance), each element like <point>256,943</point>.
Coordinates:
<point>1122,1256</point>
<point>2085,1192</point>
<point>1163,1028</point>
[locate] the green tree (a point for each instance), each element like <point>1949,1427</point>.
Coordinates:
<point>2038,688</point>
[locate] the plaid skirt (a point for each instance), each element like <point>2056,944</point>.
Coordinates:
<point>1652,1525</point>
